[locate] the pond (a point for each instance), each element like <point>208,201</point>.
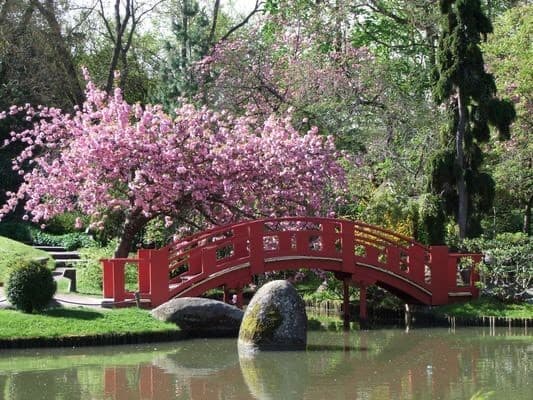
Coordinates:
<point>378,364</point>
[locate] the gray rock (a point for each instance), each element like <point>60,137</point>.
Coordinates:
<point>201,317</point>
<point>275,319</point>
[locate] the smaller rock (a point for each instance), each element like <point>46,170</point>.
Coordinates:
<point>201,317</point>
<point>275,319</point>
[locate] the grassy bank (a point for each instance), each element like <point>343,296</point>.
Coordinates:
<point>71,325</point>
<point>11,250</point>
<point>485,307</point>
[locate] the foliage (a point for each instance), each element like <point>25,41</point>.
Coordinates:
<point>461,82</point>
<point>30,286</point>
<point>201,163</point>
<point>156,234</point>
<point>408,28</point>
<point>67,322</point>
<point>189,43</point>
<point>12,252</point>
<point>322,286</point>
<point>430,219</point>
<point>94,52</point>
<point>70,241</point>
<point>63,223</point>
<point>507,270</point>
<point>508,54</point>
<point>21,232</point>
<point>25,232</point>
<point>264,75</point>
<point>389,208</point>
<point>482,395</point>
<point>90,274</point>
<point>363,83</point>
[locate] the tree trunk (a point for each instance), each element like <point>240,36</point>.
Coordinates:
<point>211,39</point>
<point>185,37</point>
<point>526,228</point>
<point>462,191</point>
<point>132,227</point>
<point>338,28</point>
<point>120,26</point>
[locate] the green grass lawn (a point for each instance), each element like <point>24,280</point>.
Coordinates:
<point>485,307</point>
<point>11,250</point>
<point>78,322</point>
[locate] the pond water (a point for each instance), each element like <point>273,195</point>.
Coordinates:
<point>377,364</point>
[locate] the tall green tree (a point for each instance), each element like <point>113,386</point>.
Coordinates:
<point>469,93</point>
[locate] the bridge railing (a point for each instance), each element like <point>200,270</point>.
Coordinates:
<point>455,276</point>
<point>344,240</point>
<point>152,277</point>
<point>254,243</point>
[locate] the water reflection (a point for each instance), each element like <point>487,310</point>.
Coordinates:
<point>388,364</point>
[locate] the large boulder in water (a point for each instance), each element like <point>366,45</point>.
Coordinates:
<point>201,317</point>
<point>275,319</point>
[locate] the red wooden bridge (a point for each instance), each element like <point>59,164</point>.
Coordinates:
<point>358,253</point>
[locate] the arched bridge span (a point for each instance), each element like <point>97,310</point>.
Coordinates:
<point>358,253</point>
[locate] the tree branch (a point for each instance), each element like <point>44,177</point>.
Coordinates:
<point>83,19</point>
<point>243,22</point>
<point>106,22</point>
<point>378,7</point>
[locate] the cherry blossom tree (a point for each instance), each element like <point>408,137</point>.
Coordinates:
<point>111,156</point>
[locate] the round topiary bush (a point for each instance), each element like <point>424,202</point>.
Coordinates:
<point>30,286</point>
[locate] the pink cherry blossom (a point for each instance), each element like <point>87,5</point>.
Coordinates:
<point>111,156</point>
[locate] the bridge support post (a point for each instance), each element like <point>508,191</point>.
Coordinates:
<point>363,317</point>
<point>226,296</point>
<point>346,304</point>
<point>240,297</point>
<point>159,276</point>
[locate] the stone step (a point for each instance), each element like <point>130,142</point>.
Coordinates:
<point>55,249</point>
<point>68,263</point>
<point>64,255</point>
<point>71,261</point>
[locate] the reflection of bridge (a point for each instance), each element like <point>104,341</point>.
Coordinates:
<point>357,253</point>
<point>363,369</point>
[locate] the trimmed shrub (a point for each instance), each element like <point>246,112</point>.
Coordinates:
<point>62,224</point>
<point>30,286</point>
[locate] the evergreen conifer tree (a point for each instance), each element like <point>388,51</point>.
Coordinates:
<point>469,92</point>
<point>190,28</point>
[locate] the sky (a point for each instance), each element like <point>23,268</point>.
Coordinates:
<point>241,6</point>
